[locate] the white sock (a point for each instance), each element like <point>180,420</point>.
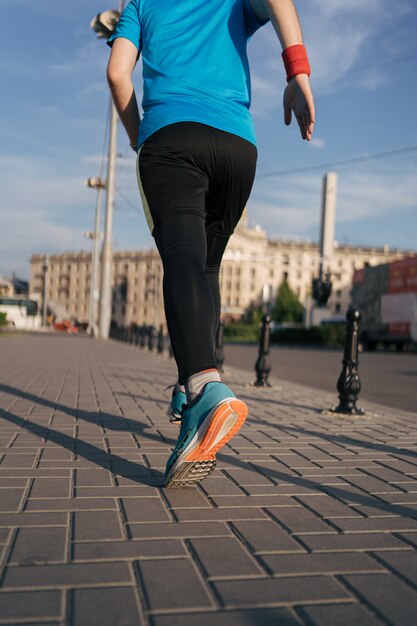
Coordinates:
<point>179,387</point>
<point>195,383</point>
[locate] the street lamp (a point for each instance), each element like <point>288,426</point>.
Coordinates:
<point>92,329</point>
<point>45,268</point>
<point>104,24</point>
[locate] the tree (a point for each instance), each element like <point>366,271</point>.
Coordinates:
<point>287,306</point>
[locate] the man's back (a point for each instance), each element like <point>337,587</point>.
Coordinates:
<point>195,65</point>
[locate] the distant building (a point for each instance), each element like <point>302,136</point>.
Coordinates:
<point>13,287</point>
<point>252,270</point>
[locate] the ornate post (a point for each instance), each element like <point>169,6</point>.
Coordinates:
<point>151,338</point>
<point>219,352</point>
<point>160,342</point>
<point>349,385</point>
<point>263,362</point>
<point>142,337</point>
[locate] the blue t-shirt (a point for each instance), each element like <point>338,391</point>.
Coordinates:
<point>195,65</point>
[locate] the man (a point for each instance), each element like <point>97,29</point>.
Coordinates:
<point>196,164</point>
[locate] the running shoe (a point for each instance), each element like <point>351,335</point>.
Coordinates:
<point>207,425</point>
<point>175,408</point>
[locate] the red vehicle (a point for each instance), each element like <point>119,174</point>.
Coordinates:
<point>386,296</point>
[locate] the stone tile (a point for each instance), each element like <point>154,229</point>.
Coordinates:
<point>387,595</point>
<point>105,607</point>
<point>128,550</point>
<point>10,499</point>
<point>264,592</point>
<point>71,574</point>
<point>32,519</point>
<point>173,584</point>
<point>18,460</point>
<point>179,530</point>
<point>266,536</point>
<point>404,563</point>
<point>302,564</point>
<point>219,514</point>
<point>254,501</point>
<point>325,506</point>
<point>260,617</point>
<point>96,525</point>
<point>50,488</point>
<point>299,520</point>
<point>339,615</point>
<point>70,504</point>
<point>92,478</point>
<point>353,542</point>
<point>186,498</point>
<point>24,605</point>
<point>376,524</point>
<point>219,485</point>
<point>39,545</point>
<point>223,557</point>
<point>145,510</point>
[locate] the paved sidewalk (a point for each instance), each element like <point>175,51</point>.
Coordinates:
<point>308,519</point>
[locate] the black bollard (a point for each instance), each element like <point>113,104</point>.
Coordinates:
<point>348,384</point>
<point>219,351</point>
<point>160,342</point>
<point>151,338</point>
<point>263,362</point>
<point>142,336</point>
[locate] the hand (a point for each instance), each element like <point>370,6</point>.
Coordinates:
<point>298,99</point>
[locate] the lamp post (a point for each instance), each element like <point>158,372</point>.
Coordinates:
<point>99,185</point>
<point>45,268</point>
<point>104,24</point>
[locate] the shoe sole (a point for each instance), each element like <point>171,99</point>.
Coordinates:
<point>198,460</point>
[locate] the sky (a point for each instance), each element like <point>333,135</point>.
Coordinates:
<point>54,103</point>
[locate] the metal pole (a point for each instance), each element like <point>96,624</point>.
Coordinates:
<point>107,253</point>
<point>98,185</point>
<point>45,290</point>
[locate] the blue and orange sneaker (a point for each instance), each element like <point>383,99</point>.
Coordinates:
<point>176,406</point>
<point>207,425</point>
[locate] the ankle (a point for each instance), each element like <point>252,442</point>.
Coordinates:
<point>196,383</point>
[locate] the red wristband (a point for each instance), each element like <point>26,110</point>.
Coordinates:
<point>295,61</point>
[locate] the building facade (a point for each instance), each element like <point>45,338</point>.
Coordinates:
<point>252,270</point>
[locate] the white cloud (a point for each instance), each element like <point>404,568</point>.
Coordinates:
<point>317,142</point>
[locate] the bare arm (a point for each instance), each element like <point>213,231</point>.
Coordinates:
<point>298,98</point>
<point>123,58</point>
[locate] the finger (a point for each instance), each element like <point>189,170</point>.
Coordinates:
<point>287,115</point>
<point>301,125</point>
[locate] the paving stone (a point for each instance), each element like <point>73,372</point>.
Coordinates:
<point>387,595</point>
<point>4,535</point>
<point>301,564</point>
<point>404,563</point>
<point>92,478</point>
<point>39,545</point>
<point>241,593</point>
<point>179,530</point>
<point>339,615</point>
<point>50,488</point>
<point>266,536</point>
<point>262,617</point>
<point>254,501</point>
<point>18,460</point>
<point>353,542</point>
<point>70,504</point>
<point>370,525</point>
<point>299,520</point>
<point>186,498</point>
<point>70,574</point>
<point>173,584</point>
<point>145,510</point>
<point>220,485</point>
<point>10,499</point>
<point>105,607</point>
<point>128,550</point>
<point>226,514</point>
<point>24,605</point>
<point>224,557</point>
<point>326,506</point>
<point>32,519</point>
<point>96,525</point>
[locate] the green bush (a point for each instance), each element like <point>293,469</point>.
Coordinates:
<point>3,319</point>
<point>326,335</point>
<point>241,332</point>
